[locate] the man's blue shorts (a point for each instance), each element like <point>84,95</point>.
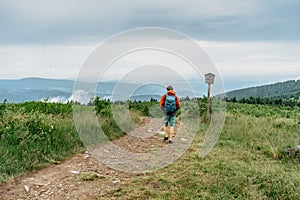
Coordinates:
<point>169,120</point>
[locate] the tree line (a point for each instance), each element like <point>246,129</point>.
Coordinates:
<point>274,101</point>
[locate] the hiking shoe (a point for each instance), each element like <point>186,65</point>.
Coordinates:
<point>170,142</point>
<point>166,138</point>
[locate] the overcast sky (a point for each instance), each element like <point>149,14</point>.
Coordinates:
<point>252,39</point>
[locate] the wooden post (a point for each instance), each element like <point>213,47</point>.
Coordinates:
<point>209,79</point>
<point>208,103</point>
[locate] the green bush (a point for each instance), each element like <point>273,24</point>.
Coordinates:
<point>143,107</point>
<point>102,106</point>
<point>2,108</point>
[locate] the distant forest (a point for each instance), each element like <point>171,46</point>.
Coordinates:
<point>284,90</point>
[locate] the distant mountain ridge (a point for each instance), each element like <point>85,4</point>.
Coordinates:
<point>287,89</point>
<point>34,89</point>
<point>57,90</point>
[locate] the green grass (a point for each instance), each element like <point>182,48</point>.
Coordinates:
<point>90,176</point>
<point>34,138</point>
<point>245,164</point>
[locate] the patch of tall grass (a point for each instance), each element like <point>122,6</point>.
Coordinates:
<point>31,140</point>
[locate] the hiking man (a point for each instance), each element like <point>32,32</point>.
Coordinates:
<point>169,103</point>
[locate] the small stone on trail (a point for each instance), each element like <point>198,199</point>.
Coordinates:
<point>26,188</point>
<point>150,130</point>
<point>75,172</point>
<point>39,184</point>
<point>116,181</point>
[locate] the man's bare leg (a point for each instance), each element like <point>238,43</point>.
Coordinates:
<point>166,131</point>
<point>171,133</point>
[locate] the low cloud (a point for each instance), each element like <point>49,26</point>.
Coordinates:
<point>80,96</point>
<point>57,99</point>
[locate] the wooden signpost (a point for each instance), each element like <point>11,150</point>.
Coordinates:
<point>209,79</point>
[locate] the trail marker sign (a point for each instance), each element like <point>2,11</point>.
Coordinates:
<point>209,78</point>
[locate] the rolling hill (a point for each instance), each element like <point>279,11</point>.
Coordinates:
<point>287,89</point>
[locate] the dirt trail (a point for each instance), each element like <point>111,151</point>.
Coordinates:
<point>81,176</point>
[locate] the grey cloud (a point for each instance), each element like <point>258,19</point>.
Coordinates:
<point>54,21</point>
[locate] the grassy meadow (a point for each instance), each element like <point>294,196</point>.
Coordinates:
<point>246,163</point>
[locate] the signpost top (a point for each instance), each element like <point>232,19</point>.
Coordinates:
<point>209,78</point>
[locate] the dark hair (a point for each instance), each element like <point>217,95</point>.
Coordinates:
<point>169,87</point>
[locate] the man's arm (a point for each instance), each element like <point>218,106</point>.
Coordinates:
<point>177,103</point>
<point>162,101</point>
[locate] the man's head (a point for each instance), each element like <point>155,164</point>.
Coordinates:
<point>169,88</point>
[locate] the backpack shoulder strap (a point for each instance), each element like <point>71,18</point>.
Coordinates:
<point>166,95</point>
